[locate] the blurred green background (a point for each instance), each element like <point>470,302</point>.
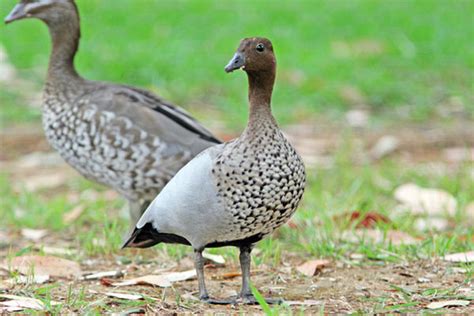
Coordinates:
<point>401,59</point>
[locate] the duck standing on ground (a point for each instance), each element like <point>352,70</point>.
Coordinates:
<point>120,136</point>
<point>236,193</point>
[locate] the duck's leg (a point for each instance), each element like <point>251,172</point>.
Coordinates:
<point>246,293</point>
<point>203,294</point>
<point>199,265</point>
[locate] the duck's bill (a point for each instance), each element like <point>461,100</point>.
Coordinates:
<point>17,13</point>
<point>237,62</point>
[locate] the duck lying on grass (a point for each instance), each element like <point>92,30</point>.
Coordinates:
<point>236,193</point>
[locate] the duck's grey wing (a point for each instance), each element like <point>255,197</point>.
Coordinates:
<point>153,115</point>
<point>188,210</point>
<point>130,140</point>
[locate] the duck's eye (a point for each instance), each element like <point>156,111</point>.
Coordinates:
<point>260,47</point>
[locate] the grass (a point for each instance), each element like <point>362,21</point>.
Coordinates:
<point>329,194</point>
<point>399,56</point>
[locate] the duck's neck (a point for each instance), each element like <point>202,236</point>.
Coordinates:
<point>260,97</point>
<point>65,36</point>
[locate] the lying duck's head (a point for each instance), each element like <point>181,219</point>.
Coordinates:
<point>254,55</point>
<point>49,11</point>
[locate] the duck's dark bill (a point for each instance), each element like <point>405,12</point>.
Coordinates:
<point>17,13</point>
<point>238,61</point>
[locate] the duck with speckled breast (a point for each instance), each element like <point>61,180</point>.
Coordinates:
<point>236,193</point>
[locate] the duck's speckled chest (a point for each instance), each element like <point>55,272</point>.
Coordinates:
<point>260,180</point>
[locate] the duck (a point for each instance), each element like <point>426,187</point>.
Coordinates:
<point>235,193</point>
<point>123,137</point>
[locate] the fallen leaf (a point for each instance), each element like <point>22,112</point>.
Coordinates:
<point>100,275</point>
<point>431,201</point>
<point>33,234</point>
<point>45,265</point>
<point>312,267</point>
<point>24,302</point>
<point>106,282</point>
<point>460,257</point>
<point>384,146</point>
<point>364,220</point>
<point>218,259</point>
<point>441,304</point>
<point>164,280</point>
<point>37,279</point>
<point>180,276</point>
<point>230,275</point>
<point>156,280</point>
<point>357,118</point>
<point>125,296</point>
<point>73,214</point>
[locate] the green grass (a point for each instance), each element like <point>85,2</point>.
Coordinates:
<point>408,54</point>
<point>329,194</point>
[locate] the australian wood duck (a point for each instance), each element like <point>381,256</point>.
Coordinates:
<point>236,193</point>
<point>123,137</point>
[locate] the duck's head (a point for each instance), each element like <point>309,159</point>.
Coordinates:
<point>49,11</point>
<point>254,55</point>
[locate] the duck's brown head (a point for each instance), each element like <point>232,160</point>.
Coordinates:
<point>49,11</point>
<point>254,55</point>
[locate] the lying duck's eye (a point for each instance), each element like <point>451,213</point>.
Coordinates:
<point>260,48</point>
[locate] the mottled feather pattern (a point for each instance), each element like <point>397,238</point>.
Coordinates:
<point>110,149</point>
<point>260,179</point>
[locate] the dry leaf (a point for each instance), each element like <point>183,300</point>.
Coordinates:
<point>73,214</point>
<point>431,201</point>
<point>164,280</point>
<point>460,257</point>
<point>100,275</point>
<point>181,276</point>
<point>156,280</point>
<point>24,302</point>
<point>311,268</point>
<point>37,279</point>
<point>217,259</point>
<point>45,265</point>
<point>33,234</point>
<point>441,304</point>
<point>363,220</point>
<point>357,118</point>
<point>125,296</point>
<point>384,146</point>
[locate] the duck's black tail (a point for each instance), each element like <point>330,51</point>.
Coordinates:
<point>147,236</point>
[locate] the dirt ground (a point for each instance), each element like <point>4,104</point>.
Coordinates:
<point>350,285</point>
